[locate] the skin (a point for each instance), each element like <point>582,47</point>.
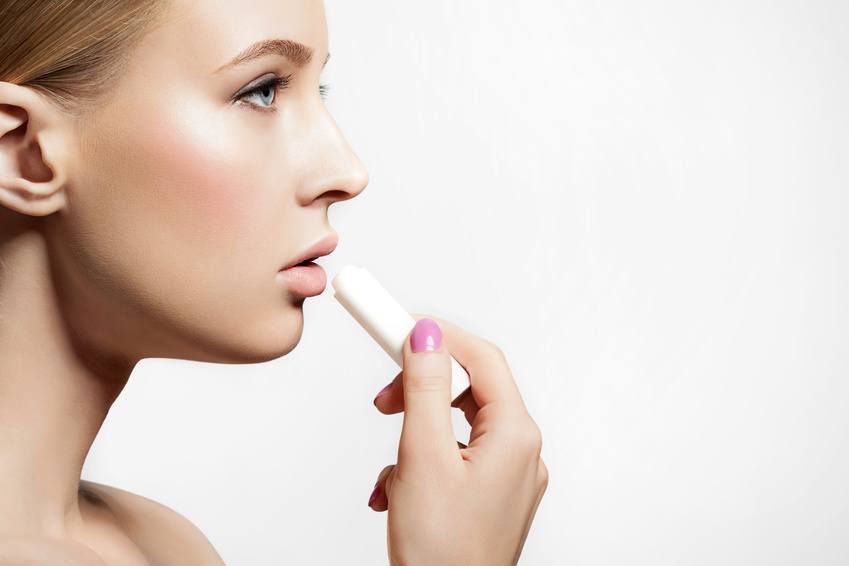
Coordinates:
<point>450,503</point>
<point>155,227</point>
<point>130,228</point>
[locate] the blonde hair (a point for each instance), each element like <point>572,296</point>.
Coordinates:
<point>72,51</point>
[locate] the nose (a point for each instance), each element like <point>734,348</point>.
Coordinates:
<point>336,172</point>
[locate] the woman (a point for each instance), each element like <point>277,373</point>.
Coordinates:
<point>157,175</point>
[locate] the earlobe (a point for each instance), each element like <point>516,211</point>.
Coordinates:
<point>32,168</point>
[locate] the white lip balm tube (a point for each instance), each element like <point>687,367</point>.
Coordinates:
<point>384,318</point>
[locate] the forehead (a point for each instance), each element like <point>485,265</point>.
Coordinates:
<point>201,35</point>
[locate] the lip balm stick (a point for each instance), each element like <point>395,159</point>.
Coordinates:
<point>384,318</point>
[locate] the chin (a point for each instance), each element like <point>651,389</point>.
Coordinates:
<point>254,353</point>
<point>273,339</point>
<point>252,343</point>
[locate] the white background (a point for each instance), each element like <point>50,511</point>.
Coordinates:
<point>643,203</point>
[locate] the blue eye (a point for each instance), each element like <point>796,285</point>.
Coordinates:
<point>268,90</point>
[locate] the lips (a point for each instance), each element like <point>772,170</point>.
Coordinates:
<point>322,247</point>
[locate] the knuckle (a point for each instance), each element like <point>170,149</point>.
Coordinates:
<point>535,438</point>
<point>495,350</point>
<point>543,476</point>
<point>524,437</point>
<point>424,382</point>
<point>528,437</point>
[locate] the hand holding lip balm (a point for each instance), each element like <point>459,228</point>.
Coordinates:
<point>384,318</point>
<point>438,485</point>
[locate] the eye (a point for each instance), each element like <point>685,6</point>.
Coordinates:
<point>267,89</point>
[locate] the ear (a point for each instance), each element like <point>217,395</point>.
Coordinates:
<point>33,150</point>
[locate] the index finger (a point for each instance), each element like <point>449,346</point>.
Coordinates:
<point>491,380</point>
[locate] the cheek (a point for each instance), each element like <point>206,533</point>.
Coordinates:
<point>176,213</point>
<point>175,195</point>
<point>199,173</point>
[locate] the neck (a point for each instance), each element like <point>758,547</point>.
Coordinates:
<point>54,395</point>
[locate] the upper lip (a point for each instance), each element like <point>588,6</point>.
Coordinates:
<point>322,247</point>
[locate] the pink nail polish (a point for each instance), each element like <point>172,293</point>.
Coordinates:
<point>426,336</point>
<point>384,390</point>
<point>374,494</point>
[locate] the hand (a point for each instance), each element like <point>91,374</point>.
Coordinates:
<point>449,503</point>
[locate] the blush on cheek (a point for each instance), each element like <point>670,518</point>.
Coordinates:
<point>204,178</point>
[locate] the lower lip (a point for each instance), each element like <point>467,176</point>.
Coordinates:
<point>306,280</point>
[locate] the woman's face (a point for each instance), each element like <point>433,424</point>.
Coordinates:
<point>183,203</point>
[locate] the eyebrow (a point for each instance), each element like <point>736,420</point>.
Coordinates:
<point>298,53</point>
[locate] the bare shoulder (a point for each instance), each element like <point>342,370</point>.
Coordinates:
<point>166,536</point>
<point>43,551</point>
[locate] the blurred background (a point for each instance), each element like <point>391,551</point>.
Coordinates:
<point>644,204</point>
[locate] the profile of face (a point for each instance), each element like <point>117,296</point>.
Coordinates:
<point>190,188</point>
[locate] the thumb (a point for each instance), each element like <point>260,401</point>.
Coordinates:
<point>427,432</point>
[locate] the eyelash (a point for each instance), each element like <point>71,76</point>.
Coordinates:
<point>278,84</point>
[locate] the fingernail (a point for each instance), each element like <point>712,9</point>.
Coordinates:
<point>384,390</point>
<point>374,493</point>
<point>426,336</point>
